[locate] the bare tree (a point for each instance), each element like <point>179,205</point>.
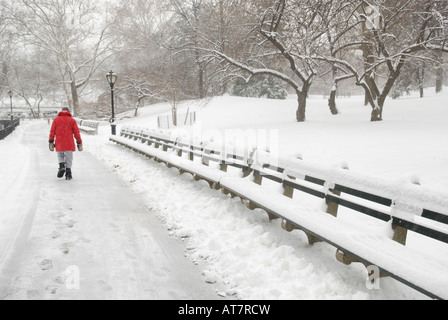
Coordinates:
<point>394,32</point>
<point>31,78</point>
<point>190,14</point>
<point>340,23</point>
<point>5,50</point>
<point>289,40</point>
<point>266,47</point>
<point>151,70</point>
<point>76,33</point>
<point>384,36</point>
<point>205,24</point>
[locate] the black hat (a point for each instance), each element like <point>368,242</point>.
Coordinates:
<point>66,109</point>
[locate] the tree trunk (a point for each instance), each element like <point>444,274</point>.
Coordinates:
<point>334,89</point>
<point>201,73</point>
<point>75,98</point>
<point>421,79</point>
<point>201,82</point>
<point>174,111</point>
<point>378,103</point>
<point>137,106</point>
<point>439,80</point>
<point>332,101</point>
<point>41,98</point>
<point>301,111</point>
<point>366,99</point>
<point>302,96</point>
<point>377,114</point>
<point>68,96</point>
<point>374,101</point>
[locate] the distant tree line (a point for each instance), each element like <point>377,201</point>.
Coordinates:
<point>172,50</point>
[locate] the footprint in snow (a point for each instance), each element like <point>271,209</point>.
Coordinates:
<point>55,235</point>
<point>46,264</point>
<point>55,285</point>
<point>66,247</point>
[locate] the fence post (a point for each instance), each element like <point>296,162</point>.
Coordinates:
<point>288,191</point>
<point>257,178</point>
<point>204,154</point>
<point>223,166</point>
<point>400,233</point>
<point>332,208</point>
<point>191,153</point>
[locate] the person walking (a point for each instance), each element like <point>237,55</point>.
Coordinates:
<point>65,130</point>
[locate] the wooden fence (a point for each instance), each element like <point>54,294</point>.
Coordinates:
<point>7,127</point>
<point>404,208</point>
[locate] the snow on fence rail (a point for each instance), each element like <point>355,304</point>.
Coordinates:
<point>401,209</point>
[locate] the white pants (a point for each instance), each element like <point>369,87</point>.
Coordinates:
<point>67,158</point>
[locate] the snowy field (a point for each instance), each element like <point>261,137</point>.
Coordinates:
<point>242,253</point>
<point>255,258</point>
<point>410,142</point>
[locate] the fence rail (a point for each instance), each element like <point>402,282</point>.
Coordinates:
<point>403,208</point>
<point>88,126</point>
<point>7,127</point>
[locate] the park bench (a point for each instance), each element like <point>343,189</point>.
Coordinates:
<point>88,126</point>
<point>408,210</point>
<point>186,157</point>
<point>377,216</point>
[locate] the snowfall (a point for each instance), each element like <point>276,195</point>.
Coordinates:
<point>127,227</point>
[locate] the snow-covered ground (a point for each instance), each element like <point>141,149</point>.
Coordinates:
<point>411,141</point>
<point>242,247</point>
<point>89,238</point>
<point>243,255</point>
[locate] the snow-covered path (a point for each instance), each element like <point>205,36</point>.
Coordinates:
<point>90,238</point>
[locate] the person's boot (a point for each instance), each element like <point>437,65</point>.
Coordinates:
<point>61,171</point>
<point>68,174</point>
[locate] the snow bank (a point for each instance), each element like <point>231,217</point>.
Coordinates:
<point>254,257</point>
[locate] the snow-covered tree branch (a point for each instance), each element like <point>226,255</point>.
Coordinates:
<point>75,33</point>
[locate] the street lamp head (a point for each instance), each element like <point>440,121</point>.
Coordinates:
<point>111,78</point>
<point>10,93</point>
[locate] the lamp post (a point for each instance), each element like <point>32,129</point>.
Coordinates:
<point>112,78</point>
<point>10,98</point>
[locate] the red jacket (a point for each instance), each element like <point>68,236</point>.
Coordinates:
<point>64,128</point>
